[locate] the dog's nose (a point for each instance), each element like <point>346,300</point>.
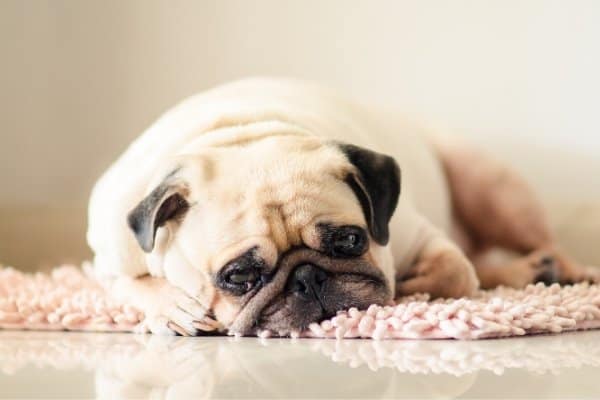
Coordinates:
<point>307,280</point>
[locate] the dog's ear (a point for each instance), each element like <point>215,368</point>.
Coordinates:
<point>376,183</point>
<point>166,202</point>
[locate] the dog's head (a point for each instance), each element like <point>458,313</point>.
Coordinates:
<point>287,230</point>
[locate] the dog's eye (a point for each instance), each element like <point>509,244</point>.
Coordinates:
<point>238,280</point>
<point>346,241</point>
<point>242,274</point>
<point>241,281</point>
<point>241,277</point>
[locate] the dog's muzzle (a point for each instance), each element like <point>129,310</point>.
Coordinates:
<point>302,271</point>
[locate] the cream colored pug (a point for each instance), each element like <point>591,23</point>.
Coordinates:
<point>272,204</point>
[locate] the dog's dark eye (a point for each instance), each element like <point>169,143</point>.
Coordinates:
<point>238,279</point>
<point>241,281</point>
<point>242,274</point>
<point>241,278</point>
<point>345,241</point>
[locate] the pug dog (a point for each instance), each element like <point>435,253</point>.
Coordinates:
<point>272,204</point>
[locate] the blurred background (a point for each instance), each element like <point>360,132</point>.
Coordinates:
<point>80,79</point>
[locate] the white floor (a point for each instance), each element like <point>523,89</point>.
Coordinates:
<point>84,365</point>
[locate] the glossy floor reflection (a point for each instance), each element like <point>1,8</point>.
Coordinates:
<point>108,366</point>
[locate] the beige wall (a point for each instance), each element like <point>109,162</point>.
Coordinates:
<point>80,79</point>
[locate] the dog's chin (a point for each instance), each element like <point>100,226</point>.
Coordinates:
<point>291,312</point>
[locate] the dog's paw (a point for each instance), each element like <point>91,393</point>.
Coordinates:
<point>553,266</point>
<point>581,274</point>
<point>171,311</point>
<point>545,269</point>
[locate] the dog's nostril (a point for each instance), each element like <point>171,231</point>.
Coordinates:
<point>307,280</point>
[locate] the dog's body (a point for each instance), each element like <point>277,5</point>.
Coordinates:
<point>256,168</point>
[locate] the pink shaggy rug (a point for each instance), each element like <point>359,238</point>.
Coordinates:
<point>66,299</point>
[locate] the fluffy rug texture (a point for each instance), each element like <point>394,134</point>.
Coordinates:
<point>66,299</point>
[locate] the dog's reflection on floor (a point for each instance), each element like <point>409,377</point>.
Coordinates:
<point>134,366</point>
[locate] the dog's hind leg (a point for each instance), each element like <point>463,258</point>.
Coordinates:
<point>498,210</point>
<point>441,268</point>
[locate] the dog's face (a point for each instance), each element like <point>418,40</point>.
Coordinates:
<point>286,230</point>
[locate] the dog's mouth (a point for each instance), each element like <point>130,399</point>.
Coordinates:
<point>289,312</point>
<point>309,287</point>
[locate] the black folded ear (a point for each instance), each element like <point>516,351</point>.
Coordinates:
<point>376,183</point>
<point>166,202</point>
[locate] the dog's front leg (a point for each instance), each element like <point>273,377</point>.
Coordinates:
<point>175,297</point>
<point>441,269</point>
<point>168,309</point>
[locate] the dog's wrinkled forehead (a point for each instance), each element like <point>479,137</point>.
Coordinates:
<point>274,167</point>
<point>272,194</point>
<point>277,187</point>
